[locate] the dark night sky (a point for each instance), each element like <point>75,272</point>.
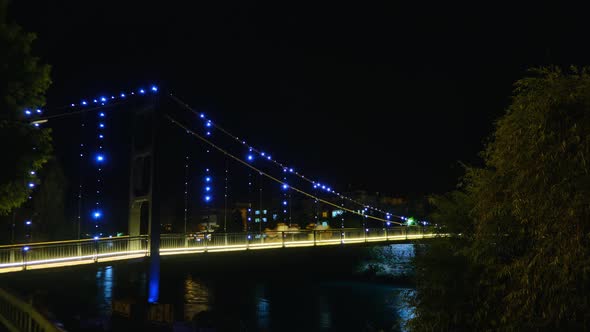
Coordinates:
<point>385,96</point>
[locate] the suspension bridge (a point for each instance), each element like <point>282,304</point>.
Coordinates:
<point>189,186</point>
<point>149,176</point>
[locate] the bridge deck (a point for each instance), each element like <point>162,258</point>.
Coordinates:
<point>77,252</point>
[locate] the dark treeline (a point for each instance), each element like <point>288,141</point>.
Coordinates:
<point>518,256</point>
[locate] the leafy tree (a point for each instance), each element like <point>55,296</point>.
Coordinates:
<point>23,85</point>
<point>452,212</point>
<point>528,217</point>
<point>531,214</point>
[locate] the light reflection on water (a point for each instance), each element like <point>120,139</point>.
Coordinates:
<point>196,297</point>
<point>325,313</point>
<point>262,307</point>
<point>104,283</point>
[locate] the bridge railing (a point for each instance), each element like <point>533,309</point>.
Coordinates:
<point>175,243</point>
<point>60,253</point>
<point>18,315</point>
<point>57,253</point>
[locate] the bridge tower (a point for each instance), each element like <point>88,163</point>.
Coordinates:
<point>143,200</point>
<point>142,171</point>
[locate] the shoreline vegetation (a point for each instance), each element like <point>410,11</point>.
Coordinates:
<point>518,258</point>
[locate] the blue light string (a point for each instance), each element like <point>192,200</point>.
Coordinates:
<point>99,160</point>
<point>249,158</point>
<point>208,178</point>
<point>268,157</point>
<point>286,199</point>
<point>33,180</point>
<point>99,157</point>
<point>186,176</point>
<point>209,126</point>
<point>80,183</point>
<point>248,165</point>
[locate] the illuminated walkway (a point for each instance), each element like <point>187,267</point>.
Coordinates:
<point>77,252</point>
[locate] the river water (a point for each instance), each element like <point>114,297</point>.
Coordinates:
<point>313,289</point>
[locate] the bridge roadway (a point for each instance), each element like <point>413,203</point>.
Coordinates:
<point>44,255</point>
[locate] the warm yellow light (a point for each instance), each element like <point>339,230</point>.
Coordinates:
<point>202,248</point>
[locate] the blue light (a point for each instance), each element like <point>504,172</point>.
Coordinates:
<point>100,136</point>
<point>207,188</point>
<point>208,179</point>
<point>122,95</point>
<point>323,187</point>
<point>97,214</point>
<point>28,222</point>
<point>366,230</point>
<point>154,88</point>
<point>202,116</point>
<point>84,102</point>
<point>208,124</point>
<point>207,198</point>
<point>328,189</point>
<point>250,157</point>
<point>284,202</point>
<point>26,249</point>
<point>262,153</point>
<point>291,170</point>
<point>269,158</point>
<point>95,237</point>
<point>32,172</point>
<point>208,133</point>
<point>100,158</point>
<point>142,91</point>
<point>103,99</point>
<point>31,185</point>
<point>73,105</point>
<point>101,125</point>
<point>36,124</point>
<point>101,114</point>
<point>27,112</point>
<point>285,186</point>
<point>96,101</point>
<point>38,111</point>
<point>389,223</point>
